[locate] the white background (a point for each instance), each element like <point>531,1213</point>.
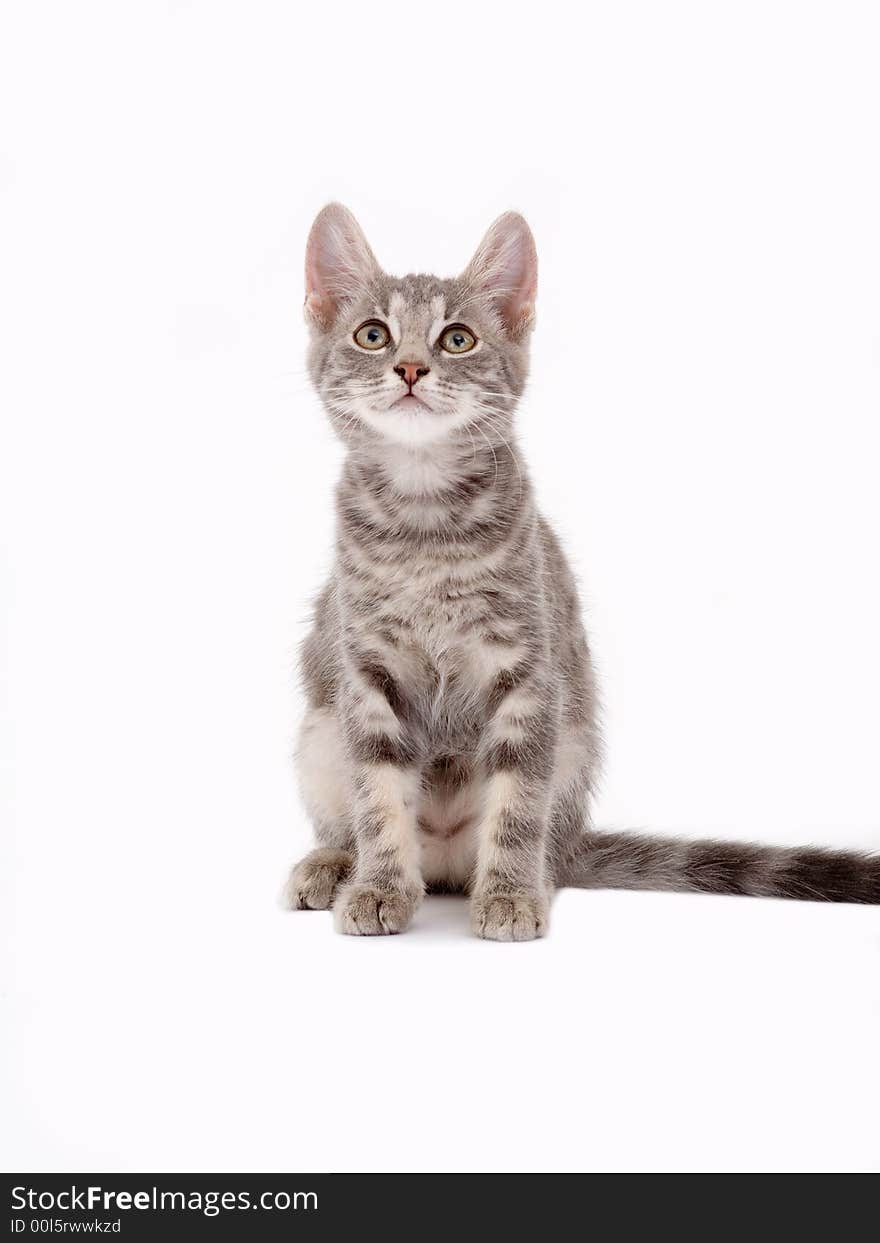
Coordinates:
<point>702,424</point>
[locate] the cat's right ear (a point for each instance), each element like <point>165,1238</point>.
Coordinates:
<point>339,264</point>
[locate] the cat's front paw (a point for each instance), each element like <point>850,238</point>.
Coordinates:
<point>509,916</point>
<point>315,879</point>
<point>365,911</point>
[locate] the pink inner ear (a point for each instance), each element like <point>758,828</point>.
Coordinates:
<point>339,263</point>
<point>320,300</point>
<point>506,268</point>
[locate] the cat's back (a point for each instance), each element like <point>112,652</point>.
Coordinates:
<point>568,637</point>
<point>320,655</point>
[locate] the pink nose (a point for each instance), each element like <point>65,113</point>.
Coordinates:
<point>411,373</point>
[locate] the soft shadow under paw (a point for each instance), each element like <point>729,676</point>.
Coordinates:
<point>315,879</point>
<point>509,916</point>
<point>363,911</point>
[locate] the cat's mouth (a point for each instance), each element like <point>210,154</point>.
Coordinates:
<point>409,401</point>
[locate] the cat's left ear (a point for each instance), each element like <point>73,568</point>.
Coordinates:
<point>339,264</point>
<point>504,271</point>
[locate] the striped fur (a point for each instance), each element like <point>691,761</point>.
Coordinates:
<point>451,741</point>
<point>631,861</point>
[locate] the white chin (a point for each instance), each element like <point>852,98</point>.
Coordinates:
<point>420,427</point>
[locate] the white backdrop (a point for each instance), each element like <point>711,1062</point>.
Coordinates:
<point>702,423</point>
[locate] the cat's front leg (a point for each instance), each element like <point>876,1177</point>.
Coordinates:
<point>386,885</point>
<point>510,896</point>
<point>511,889</point>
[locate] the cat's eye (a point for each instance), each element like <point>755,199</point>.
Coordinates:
<point>457,340</point>
<point>373,335</point>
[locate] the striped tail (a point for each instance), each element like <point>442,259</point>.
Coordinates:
<point>631,861</point>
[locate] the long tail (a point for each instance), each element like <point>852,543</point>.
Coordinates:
<point>631,861</point>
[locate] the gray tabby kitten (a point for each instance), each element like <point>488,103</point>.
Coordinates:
<point>451,739</point>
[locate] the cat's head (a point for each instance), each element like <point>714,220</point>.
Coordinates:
<point>418,360</point>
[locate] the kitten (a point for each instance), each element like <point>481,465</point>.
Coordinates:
<point>451,740</point>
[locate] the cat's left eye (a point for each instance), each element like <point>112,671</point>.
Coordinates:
<point>373,335</point>
<point>457,340</point>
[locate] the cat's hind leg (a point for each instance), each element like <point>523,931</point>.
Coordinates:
<point>327,789</point>
<point>315,879</point>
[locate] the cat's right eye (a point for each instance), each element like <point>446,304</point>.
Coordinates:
<point>373,335</point>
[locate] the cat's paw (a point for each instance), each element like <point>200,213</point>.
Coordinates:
<point>364,911</point>
<point>509,916</point>
<point>315,879</point>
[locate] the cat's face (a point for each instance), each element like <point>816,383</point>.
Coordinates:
<point>419,360</point>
